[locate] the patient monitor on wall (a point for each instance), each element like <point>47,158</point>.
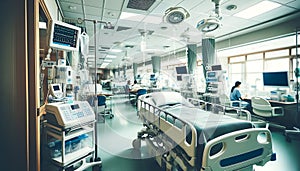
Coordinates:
<point>56,90</point>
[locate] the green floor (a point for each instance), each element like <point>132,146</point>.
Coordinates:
<point>115,138</point>
<point>116,135</point>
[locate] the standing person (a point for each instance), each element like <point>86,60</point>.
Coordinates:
<point>235,95</point>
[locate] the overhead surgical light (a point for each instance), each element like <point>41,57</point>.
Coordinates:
<point>175,15</point>
<point>213,21</point>
<point>208,24</point>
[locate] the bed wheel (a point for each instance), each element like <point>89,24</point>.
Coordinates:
<point>136,143</point>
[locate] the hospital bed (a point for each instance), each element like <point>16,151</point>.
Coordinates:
<point>183,137</point>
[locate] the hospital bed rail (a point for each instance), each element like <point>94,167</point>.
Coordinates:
<point>159,122</point>
<point>240,149</point>
<point>205,106</point>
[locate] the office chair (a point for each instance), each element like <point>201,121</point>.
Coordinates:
<point>235,105</point>
<point>229,105</point>
<point>263,108</point>
<point>139,93</point>
<point>102,107</point>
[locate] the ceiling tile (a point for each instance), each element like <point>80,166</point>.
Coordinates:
<point>93,11</point>
<point>284,1</point>
<point>127,23</point>
<point>71,1</point>
<point>295,4</point>
<point>94,3</point>
<point>114,4</point>
<point>190,4</point>
<point>93,17</point>
<point>73,15</point>
<point>205,7</point>
<point>113,14</point>
<point>71,7</point>
<point>152,19</point>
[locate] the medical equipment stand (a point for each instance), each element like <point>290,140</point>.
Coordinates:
<point>95,74</point>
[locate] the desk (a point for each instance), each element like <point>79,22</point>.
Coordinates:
<point>290,113</point>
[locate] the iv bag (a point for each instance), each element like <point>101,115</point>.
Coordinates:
<point>84,43</point>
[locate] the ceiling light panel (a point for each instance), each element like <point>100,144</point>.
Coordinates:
<point>107,60</point>
<point>280,11</point>
<point>116,50</point>
<point>132,16</point>
<point>257,9</point>
<point>111,56</point>
<point>104,65</point>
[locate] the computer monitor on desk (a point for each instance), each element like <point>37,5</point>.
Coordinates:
<point>277,80</point>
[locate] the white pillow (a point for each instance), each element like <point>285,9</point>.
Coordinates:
<point>168,98</point>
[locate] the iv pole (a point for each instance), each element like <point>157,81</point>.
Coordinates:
<point>296,130</point>
<point>95,76</point>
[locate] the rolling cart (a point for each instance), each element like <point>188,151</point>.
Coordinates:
<point>70,136</point>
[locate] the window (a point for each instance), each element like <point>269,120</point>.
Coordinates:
<point>254,66</point>
<point>249,68</point>
<point>277,53</point>
<point>237,59</point>
<point>236,73</point>
<point>294,51</point>
<point>277,65</point>
<point>236,68</point>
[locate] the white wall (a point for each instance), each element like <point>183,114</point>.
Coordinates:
<point>53,9</point>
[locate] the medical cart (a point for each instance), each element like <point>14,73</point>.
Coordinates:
<point>69,136</point>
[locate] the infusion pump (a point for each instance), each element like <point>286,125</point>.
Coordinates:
<point>69,115</point>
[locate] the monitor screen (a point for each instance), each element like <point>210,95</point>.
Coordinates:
<point>56,88</point>
<point>152,77</point>
<point>64,36</point>
<point>276,79</point>
<point>216,67</point>
<point>179,78</point>
<point>211,74</point>
<point>181,70</point>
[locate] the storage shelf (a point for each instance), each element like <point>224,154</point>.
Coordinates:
<point>73,156</point>
<point>71,135</point>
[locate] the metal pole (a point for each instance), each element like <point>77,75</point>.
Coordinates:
<point>96,100</point>
<point>297,80</point>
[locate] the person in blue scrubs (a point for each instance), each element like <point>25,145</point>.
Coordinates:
<point>235,95</point>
